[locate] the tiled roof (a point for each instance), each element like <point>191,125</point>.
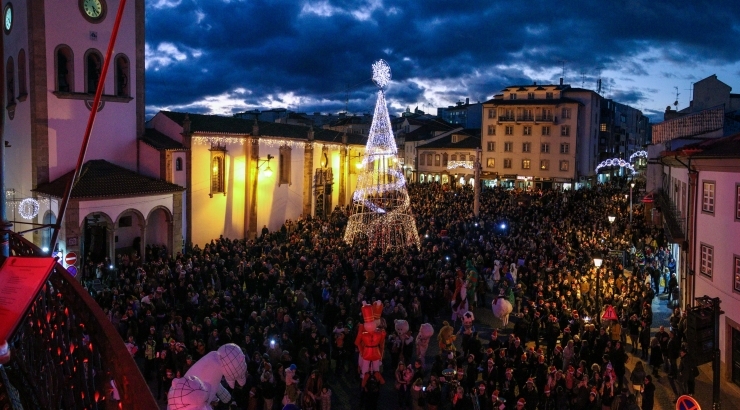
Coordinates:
<point>100,178</point>
<point>205,123</point>
<point>160,141</point>
<point>727,147</point>
<point>541,101</point>
<point>470,142</point>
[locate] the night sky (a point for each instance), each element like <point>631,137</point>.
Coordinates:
<point>227,56</point>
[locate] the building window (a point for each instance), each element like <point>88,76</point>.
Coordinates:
<point>436,160</point>
<point>490,162</point>
<point>602,127</point>
<point>564,166</point>
<point>421,159</point>
<point>737,202</point>
<point>736,273</point>
<point>526,164</point>
<point>546,114</point>
<point>218,159</point>
<point>491,146</point>
<point>548,96</point>
<point>527,130</point>
<point>565,113</point>
<point>564,148</point>
<point>444,159</point>
<point>284,161</point>
<point>65,69</point>
<point>10,81</point>
<point>509,130</point>
<point>491,113</point>
<point>122,76</point>
<point>544,164</point>
<point>707,260</point>
<point>526,147</point>
<point>707,197</point>
<point>545,148</point>
<point>545,130</point>
<point>512,96</point>
<point>178,164</point>
<point>429,159</point>
<point>453,157</point>
<point>530,96</point>
<point>93,67</point>
<point>508,147</point>
<point>491,130</point>
<point>22,89</point>
<point>527,114</point>
<point>507,162</point>
<point>565,130</point>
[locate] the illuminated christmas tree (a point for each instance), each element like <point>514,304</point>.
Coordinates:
<point>381,208</point>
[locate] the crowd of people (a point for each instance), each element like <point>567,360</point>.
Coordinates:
<point>291,300</point>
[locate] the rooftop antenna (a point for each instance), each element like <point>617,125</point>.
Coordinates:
<point>583,79</point>
<point>562,63</point>
<point>675,103</point>
<point>691,91</point>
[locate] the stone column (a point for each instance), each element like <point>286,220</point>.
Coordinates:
<point>343,172</point>
<point>252,169</point>
<point>308,175</point>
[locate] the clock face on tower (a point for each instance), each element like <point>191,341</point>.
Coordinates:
<point>93,10</point>
<point>8,18</point>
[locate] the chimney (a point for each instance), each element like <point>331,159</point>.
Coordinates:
<point>467,101</point>
<point>561,80</point>
<point>255,129</point>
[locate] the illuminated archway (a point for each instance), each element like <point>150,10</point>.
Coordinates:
<point>615,162</point>
<point>638,154</point>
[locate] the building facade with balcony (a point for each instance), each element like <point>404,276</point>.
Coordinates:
<point>464,114</point>
<point>701,201</point>
<point>449,159</point>
<point>531,136</point>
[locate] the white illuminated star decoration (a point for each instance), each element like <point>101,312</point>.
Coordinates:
<point>381,73</point>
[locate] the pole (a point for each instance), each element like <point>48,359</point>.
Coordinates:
<point>476,189</point>
<point>5,225</point>
<point>630,204</point>
<point>716,405</point>
<point>598,295</point>
<point>88,129</point>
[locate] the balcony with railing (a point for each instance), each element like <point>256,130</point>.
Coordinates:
<point>506,118</point>
<point>544,118</point>
<point>673,224</point>
<point>66,354</point>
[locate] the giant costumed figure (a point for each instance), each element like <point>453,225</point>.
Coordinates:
<point>422,341</point>
<point>201,385</point>
<point>370,338</point>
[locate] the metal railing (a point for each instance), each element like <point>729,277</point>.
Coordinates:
<point>67,354</point>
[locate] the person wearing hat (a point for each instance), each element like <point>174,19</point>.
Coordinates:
<point>529,394</point>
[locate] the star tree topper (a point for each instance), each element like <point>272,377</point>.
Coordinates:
<point>381,73</point>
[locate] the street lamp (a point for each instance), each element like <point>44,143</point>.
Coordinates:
<point>598,260</point>
<point>632,185</point>
<point>611,223</point>
<point>260,162</point>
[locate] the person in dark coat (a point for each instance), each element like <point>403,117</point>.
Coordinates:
<point>648,393</point>
<point>656,356</point>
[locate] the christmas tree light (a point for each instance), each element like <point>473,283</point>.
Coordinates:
<point>381,207</point>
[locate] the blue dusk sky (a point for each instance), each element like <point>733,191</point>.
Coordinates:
<point>228,56</point>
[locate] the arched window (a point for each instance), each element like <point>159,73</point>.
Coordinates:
<point>122,76</point>
<point>218,159</point>
<point>284,165</point>
<point>10,81</point>
<point>444,159</point>
<point>64,69</point>
<point>178,164</point>
<point>22,90</point>
<point>93,68</point>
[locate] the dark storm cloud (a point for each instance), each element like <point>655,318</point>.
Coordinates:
<point>321,51</point>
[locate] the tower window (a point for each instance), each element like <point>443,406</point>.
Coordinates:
<point>178,164</point>
<point>64,69</point>
<point>93,68</point>
<point>122,76</point>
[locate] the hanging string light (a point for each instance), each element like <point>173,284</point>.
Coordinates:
<point>28,208</point>
<point>615,162</point>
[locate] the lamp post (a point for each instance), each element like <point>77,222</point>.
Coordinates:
<point>611,223</point>
<point>598,260</point>
<point>632,185</point>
